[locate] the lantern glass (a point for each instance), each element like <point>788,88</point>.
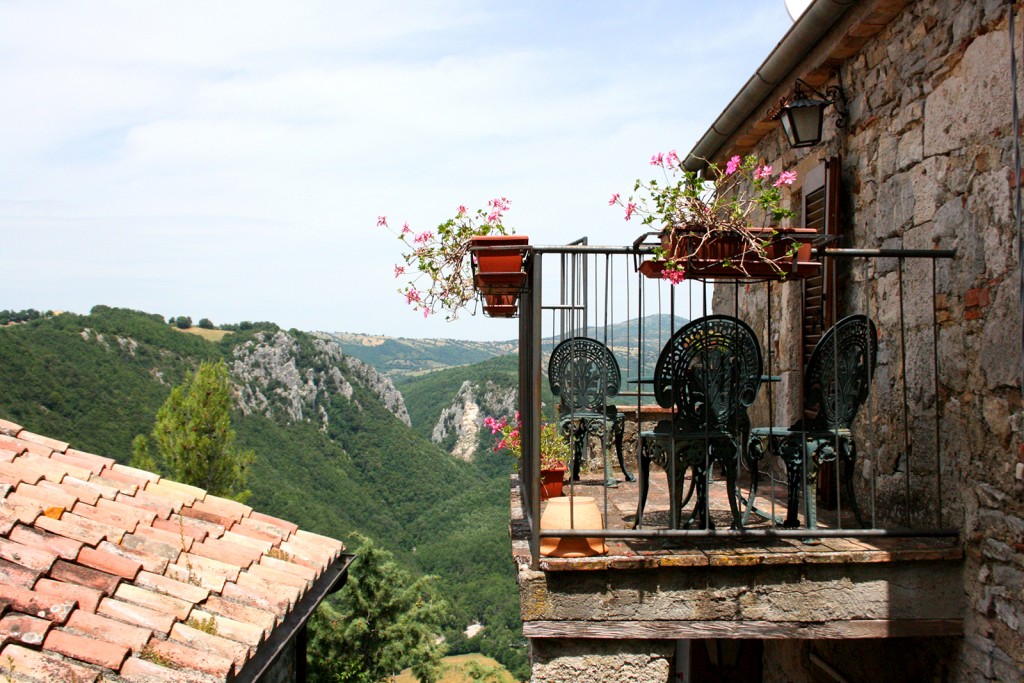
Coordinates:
<point>802,122</point>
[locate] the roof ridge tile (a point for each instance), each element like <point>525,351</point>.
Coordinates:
<point>15,658</point>
<point>39,439</point>
<point>87,649</point>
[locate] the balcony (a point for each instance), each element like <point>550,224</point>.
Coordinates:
<point>894,570</point>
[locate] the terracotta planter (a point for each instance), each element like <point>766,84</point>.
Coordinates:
<point>726,256</point>
<point>551,480</point>
<point>584,515</point>
<point>501,305</point>
<point>499,271</point>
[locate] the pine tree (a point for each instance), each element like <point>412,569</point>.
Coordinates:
<point>386,621</point>
<point>194,437</point>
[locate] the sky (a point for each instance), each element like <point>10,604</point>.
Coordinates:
<point>229,160</point>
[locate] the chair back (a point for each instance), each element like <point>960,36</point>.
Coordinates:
<point>839,373</point>
<point>583,373</point>
<point>710,370</point>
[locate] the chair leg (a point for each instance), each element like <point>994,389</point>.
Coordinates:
<point>848,457</point>
<point>794,460</point>
<point>644,461</point>
<point>618,432</point>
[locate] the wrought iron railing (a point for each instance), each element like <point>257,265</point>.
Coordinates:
<point>896,437</point>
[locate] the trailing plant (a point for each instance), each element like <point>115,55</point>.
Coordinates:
<point>436,262</point>
<point>691,208</point>
<point>554,450</point>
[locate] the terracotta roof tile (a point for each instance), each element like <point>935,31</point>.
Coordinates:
<point>137,670</point>
<point>21,628</point>
<point>240,631</point>
<point>160,488</point>
<point>259,545</point>
<point>227,552</point>
<point>52,444</point>
<point>161,602</point>
<point>49,494</point>
<point>86,649</point>
<point>88,599</point>
<point>111,563</point>
<point>136,614</point>
<point>284,525</point>
<point>36,604</point>
<point>181,527</point>
<point>266,620</point>
<point>93,463</point>
<point>148,561</point>
<point>14,574</point>
<point>186,574</point>
<point>132,474</point>
<point>68,548</point>
<point>171,542</point>
<point>9,428</point>
<point>80,528</point>
<point>27,556</point>
<point>178,589</point>
<point>162,507</point>
<point>111,630</point>
<point>20,472</point>
<point>102,490</point>
<point>257,598</point>
<point>99,561</point>
<point>209,642</point>
<point>15,443</point>
<point>298,570</point>
<point>70,572</point>
<point>21,659</point>
<point>55,469</point>
<point>125,487</point>
<point>81,490</point>
<point>191,658</point>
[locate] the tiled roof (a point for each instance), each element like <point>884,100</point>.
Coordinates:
<point>112,573</point>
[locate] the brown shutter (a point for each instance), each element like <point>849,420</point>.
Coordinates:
<point>821,212</point>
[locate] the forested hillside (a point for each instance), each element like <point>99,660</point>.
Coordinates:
<point>334,451</point>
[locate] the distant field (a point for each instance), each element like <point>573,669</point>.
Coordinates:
<point>457,670</point>
<point>208,335</point>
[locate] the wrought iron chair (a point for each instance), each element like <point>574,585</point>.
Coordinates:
<point>583,374</point>
<point>709,372</point>
<point>836,384</point>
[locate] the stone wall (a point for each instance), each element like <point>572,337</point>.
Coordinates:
<point>927,162</point>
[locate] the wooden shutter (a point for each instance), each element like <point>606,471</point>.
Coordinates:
<point>821,212</point>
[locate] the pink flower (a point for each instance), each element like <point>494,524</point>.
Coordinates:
<point>763,172</point>
<point>411,296</point>
<point>462,210</point>
<point>426,312</point>
<point>406,229</point>
<point>733,165</point>
<point>630,208</point>
<point>382,221</point>
<point>673,276</point>
<point>614,200</point>
<point>658,159</point>
<point>399,270</point>
<point>786,178</point>
<point>672,159</point>
<point>423,237</point>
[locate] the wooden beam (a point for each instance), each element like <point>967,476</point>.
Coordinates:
<point>773,630</point>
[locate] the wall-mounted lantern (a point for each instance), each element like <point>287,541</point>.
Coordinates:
<point>802,114</point>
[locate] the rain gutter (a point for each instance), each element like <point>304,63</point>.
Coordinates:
<point>803,35</point>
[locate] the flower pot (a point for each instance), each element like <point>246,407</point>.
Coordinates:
<point>727,256</point>
<point>572,512</point>
<point>551,480</point>
<point>501,305</point>
<point>498,271</point>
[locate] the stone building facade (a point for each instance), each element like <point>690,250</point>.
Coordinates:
<point>927,161</point>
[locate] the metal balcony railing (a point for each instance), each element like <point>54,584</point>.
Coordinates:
<point>890,453</point>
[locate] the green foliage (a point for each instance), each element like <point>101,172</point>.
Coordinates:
<point>183,322</point>
<point>385,620</point>
<point>28,314</point>
<point>194,437</point>
<point>206,323</point>
<point>141,457</point>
